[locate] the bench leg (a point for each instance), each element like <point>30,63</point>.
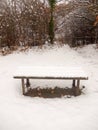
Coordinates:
<point>76,90</point>
<point>27,84</point>
<point>23,86</point>
<point>74,87</point>
<point>73,84</point>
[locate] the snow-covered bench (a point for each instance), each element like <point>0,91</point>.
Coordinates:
<point>60,73</point>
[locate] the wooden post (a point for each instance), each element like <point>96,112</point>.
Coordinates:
<point>73,87</point>
<point>73,84</point>
<point>27,84</point>
<point>77,88</point>
<point>23,86</point>
<point>78,83</point>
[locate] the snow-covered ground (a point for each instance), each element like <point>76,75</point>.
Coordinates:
<point>18,112</point>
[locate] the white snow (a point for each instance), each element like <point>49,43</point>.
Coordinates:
<point>18,112</point>
<point>50,71</point>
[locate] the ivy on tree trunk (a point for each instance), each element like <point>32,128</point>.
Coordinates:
<point>51,23</point>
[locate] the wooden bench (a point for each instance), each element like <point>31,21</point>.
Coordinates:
<point>55,73</point>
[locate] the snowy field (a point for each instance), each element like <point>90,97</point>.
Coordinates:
<point>18,112</point>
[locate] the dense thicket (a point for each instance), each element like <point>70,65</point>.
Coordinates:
<point>23,23</point>
<point>77,25</point>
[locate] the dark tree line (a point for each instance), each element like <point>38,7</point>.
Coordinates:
<point>78,19</point>
<point>23,23</point>
<point>32,22</point>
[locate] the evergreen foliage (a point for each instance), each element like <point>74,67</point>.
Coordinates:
<point>51,23</point>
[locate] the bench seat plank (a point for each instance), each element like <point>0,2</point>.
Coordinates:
<point>50,73</point>
<point>59,78</point>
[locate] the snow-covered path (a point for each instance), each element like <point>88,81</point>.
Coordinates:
<point>77,113</point>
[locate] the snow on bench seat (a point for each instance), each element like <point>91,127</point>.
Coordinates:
<point>50,72</point>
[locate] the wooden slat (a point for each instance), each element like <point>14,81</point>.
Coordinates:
<point>60,78</point>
